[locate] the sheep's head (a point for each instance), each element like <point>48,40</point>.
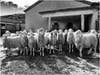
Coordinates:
<point>65,31</point>
<point>60,31</point>
<point>70,30</point>
<point>78,38</point>
<point>93,31</point>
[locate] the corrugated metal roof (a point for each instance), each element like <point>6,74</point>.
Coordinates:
<point>15,18</point>
<point>8,20</point>
<point>10,11</point>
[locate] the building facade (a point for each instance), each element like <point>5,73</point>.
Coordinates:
<point>12,23</point>
<point>68,13</point>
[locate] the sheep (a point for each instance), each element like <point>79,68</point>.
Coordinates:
<point>70,40</point>
<point>85,40</point>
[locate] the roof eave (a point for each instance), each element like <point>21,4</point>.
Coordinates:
<point>39,1</point>
<point>53,11</point>
<point>36,3</point>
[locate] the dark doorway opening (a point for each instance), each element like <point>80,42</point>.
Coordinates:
<point>3,29</point>
<point>87,22</point>
<point>67,22</point>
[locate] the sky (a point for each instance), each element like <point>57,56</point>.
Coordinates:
<point>22,3</point>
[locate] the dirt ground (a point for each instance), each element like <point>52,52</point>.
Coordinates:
<point>59,64</point>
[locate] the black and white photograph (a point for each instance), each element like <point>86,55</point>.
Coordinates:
<point>49,37</point>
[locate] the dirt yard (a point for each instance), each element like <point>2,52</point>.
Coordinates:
<point>48,65</point>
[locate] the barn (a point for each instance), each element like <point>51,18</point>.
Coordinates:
<point>76,14</point>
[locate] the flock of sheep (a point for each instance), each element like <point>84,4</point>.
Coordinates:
<point>27,43</point>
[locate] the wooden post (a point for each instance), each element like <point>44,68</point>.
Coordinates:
<point>82,22</point>
<point>49,23</point>
<point>93,20</point>
<point>0,30</point>
<point>99,25</point>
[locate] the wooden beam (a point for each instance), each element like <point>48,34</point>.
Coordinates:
<point>68,13</point>
<point>82,22</point>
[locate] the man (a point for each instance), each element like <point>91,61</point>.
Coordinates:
<point>55,26</point>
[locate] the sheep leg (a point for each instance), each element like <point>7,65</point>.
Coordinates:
<point>90,51</point>
<point>24,51</point>
<point>95,49</point>
<point>49,46</point>
<point>50,49</point>
<point>30,51</point>
<point>69,49</point>
<point>53,49</point>
<point>72,47</point>
<point>21,52</point>
<point>27,51</point>
<point>42,51</point>
<point>60,47</point>
<point>81,52</point>
<point>99,49</point>
<point>33,52</point>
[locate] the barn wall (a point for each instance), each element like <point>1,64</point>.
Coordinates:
<point>34,20</point>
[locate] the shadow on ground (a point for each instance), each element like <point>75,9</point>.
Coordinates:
<point>50,64</point>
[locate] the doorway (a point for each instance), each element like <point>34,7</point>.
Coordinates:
<point>3,29</point>
<point>67,22</point>
<point>87,22</point>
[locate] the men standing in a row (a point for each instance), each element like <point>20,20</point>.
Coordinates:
<point>55,26</point>
<point>72,26</point>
